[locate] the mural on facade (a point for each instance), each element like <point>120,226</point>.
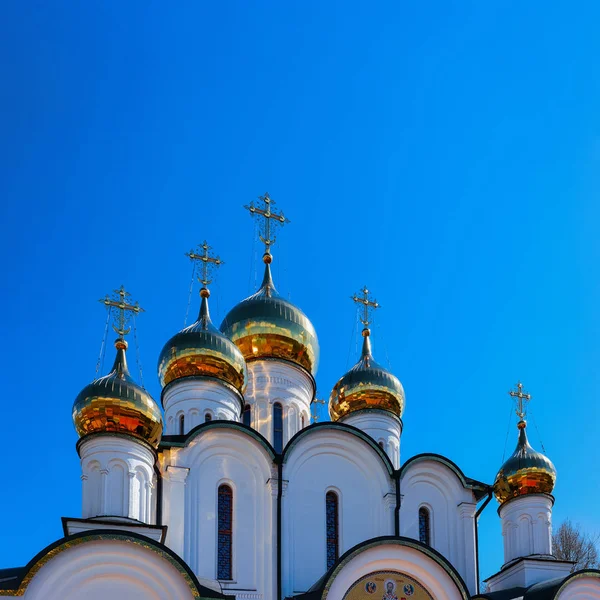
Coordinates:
<point>387,585</point>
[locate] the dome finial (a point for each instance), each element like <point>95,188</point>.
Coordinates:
<point>521,398</point>
<point>207,263</point>
<point>121,308</point>
<point>267,229</point>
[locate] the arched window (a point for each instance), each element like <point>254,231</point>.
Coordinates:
<point>247,415</point>
<point>424,526</point>
<point>207,417</point>
<point>303,421</point>
<point>381,444</point>
<point>181,424</point>
<point>225,525</point>
<point>332,528</point>
<point>277,427</point>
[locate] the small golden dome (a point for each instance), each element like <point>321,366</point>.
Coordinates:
<point>267,326</point>
<point>202,350</point>
<point>366,385</point>
<point>525,472</point>
<point>116,404</point>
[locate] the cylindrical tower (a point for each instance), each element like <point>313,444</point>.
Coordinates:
<point>120,426</point>
<point>280,346</point>
<point>368,396</point>
<point>202,372</point>
<point>523,487</point>
<point>281,349</point>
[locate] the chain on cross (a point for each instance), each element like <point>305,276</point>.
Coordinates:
<point>368,305</point>
<point>206,261</point>
<point>521,398</point>
<point>271,220</point>
<point>119,304</point>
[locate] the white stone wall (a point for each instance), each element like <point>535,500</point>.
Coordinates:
<point>192,476</point>
<point>271,381</point>
<point>193,398</point>
<point>452,508</point>
<point>527,526</point>
<point>320,461</point>
<point>118,479</point>
<point>383,427</point>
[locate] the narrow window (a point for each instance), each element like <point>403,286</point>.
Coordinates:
<point>303,421</point>
<point>331,525</point>
<point>247,415</point>
<point>381,444</point>
<point>424,528</point>
<point>181,425</point>
<point>207,417</point>
<point>225,518</point>
<point>277,427</point>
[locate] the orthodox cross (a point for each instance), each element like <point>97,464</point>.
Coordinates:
<point>368,305</point>
<point>206,262</point>
<point>521,398</point>
<point>121,307</point>
<point>266,228</point>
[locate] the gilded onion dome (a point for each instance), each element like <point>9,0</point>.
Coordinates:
<point>202,350</point>
<point>267,326</point>
<point>366,385</point>
<point>525,472</point>
<point>116,404</point>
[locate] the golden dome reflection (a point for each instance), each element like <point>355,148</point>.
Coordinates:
<point>525,472</point>
<point>116,404</point>
<point>202,350</point>
<point>367,385</point>
<point>267,326</point>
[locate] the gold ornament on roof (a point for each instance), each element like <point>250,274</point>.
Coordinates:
<point>265,325</point>
<point>115,403</point>
<point>367,385</point>
<point>526,471</point>
<point>201,350</point>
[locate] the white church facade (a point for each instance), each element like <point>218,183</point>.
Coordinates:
<point>223,488</point>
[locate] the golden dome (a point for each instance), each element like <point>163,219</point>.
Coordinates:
<point>366,385</point>
<point>202,350</point>
<point>525,472</point>
<point>267,326</point>
<point>116,404</point>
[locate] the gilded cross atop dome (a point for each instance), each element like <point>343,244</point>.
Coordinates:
<point>368,305</point>
<point>207,262</point>
<point>119,304</point>
<point>267,229</point>
<point>521,398</point>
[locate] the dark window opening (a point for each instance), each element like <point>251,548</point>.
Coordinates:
<point>277,427</point>
<point>225,526</point>
<point>331,525</point>
<point>424,527</point>
<point>247,415</point>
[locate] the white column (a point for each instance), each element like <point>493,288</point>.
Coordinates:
<point>128,462</point>
<point>382,426</point>
<point>466,530</point>
<point>271,381</point>
<point>527,526</point>
<point>176,476</point>
<point>193,397</point>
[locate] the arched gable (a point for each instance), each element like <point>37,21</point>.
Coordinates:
<point>397,554</point>
<point>334,426</point>
<point>80,565</point>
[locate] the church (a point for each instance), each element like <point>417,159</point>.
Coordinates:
<point>223,488</point>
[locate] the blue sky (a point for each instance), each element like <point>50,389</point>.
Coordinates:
<point>446,154</point>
